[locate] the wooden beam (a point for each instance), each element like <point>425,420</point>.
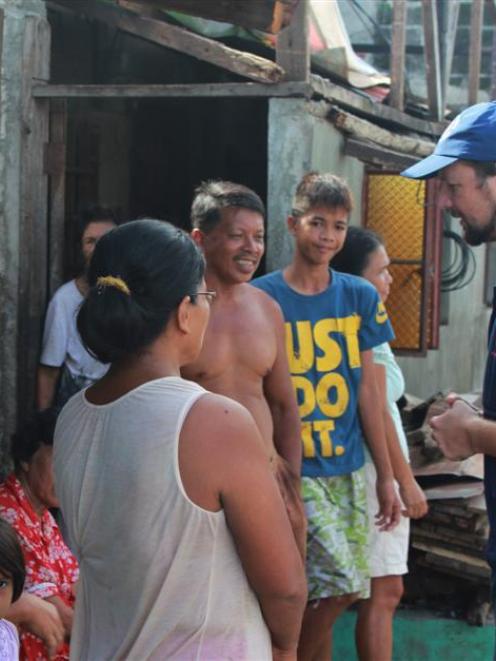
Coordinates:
<point>380,157</point>
<point>55,168</point>
<point>432,59</point>
<point>450,12</point>
<point>398,43</point>
<point>200,90</point>
<point>293,46</point>
<point>364,106</point>
<point>179,39</point>
<point>474,61</point>
<point>364,130</point>
<point>265,15</point>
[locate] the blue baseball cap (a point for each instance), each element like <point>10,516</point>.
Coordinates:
<point>470,136</point>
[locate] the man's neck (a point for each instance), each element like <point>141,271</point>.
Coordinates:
<point>306,278</point>
<point>225,290</point>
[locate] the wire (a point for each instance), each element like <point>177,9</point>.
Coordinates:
<point>359,9</point>
<point>461,271</point>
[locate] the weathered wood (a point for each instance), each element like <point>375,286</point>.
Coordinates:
<point>398,44</point>
<point>33,224</point>
<point>266,15</point>
<point>56,171</point>
<point>450,11</point>
<point>364,106</point>
<point>381,157</point>
<point>179,39</point>
<point>474,61</point>
<point>178,91</point>
<point>293,46</point>
<point>432,59</point>
<point>365,130</point>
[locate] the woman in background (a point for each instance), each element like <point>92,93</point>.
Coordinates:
<point>364,254</point>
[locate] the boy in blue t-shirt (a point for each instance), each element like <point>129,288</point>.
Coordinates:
<point>332,323</point>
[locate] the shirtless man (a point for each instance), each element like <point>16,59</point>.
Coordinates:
<point>244,354</point>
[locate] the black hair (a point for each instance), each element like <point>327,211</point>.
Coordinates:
<point>354,256</point>
<point>37,431</point>
<point>213,196</point>
<point>96,214</point>
<point>321,190</point>
<point>159,264</point>
<point>11,558</point>
<point>483,169</point>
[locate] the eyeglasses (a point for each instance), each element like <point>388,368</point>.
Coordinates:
<point>211,295</point>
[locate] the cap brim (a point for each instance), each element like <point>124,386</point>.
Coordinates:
<point>428,167</point>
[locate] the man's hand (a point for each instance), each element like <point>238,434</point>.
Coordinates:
<point>450,430</point>
<point>389,512</point>
<point>283,655</point>
<point>414,499</point>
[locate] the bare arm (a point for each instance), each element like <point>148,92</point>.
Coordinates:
<point>412,495</point>
<point>40,618</point>
<point>65,612</point>
<point>47,379</point>
<point>373,428</point>
<point>280,395</point>
<point>227,466</point>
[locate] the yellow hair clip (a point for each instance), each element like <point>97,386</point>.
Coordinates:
<point>112,281</point>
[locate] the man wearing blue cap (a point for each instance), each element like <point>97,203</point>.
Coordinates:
<point>465,161</point>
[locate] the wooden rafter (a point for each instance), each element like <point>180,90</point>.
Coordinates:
<point>162,33</point>
<point>266,15</point>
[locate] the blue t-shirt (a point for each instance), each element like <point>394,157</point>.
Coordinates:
<point>325,334</point>
<point>489,407</point>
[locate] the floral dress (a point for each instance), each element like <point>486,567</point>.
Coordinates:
<point>51,568</point>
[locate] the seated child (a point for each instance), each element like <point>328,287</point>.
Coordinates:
<point>12,574</point>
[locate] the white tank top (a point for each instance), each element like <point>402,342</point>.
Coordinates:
<point>160,577</point>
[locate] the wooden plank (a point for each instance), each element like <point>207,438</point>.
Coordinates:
<point>365,130</point>
<point>178,39</point>
<point>293,46</point>
<point>474,61</point>
<point>33,212</point>
<point>266,15</point>
<point>450,12</point>
<point>386,159</point>
<point>398,55</point>
<point>202,90</point>
<point>364,106</point>
<point>56,171</point>
<point>432,59</point>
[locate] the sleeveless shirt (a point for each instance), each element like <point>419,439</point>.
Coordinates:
<point>160,576</point>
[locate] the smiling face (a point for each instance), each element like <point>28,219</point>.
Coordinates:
<point>319,234</point>
<point>377,272</point>
<point>470,198</point>
<point>234,247</point>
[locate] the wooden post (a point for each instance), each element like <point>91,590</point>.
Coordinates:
<point>475,48</point>
<point>432,60</point>
<point>398,55</point>
<point>33,204</point>
<point>55,167</point>
<point>293,47</point>
<point>450,11</point>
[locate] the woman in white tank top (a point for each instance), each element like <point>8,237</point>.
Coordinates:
<point>184,545</point>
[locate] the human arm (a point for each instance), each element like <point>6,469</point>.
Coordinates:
<point>227,466</point>
<point>46,383</point>
<point>373,428</point>
<point>461,432</point>
<point>412,495</point>
<point>281,398</point>
<point>66,613</point>
<point>40,618</point>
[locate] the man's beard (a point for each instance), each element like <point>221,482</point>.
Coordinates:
<point>475,236</point>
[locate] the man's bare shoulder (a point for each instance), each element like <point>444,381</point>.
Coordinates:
<point>266,302</point>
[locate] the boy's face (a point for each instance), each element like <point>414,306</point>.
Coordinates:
<point>319,233</point>
<point>234,247</point>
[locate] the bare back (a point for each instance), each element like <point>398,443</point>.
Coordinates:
<point>238,354</point>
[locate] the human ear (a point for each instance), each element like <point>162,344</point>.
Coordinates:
<point>183,315</point>
<point>291,223</point>
<point>197,236</point>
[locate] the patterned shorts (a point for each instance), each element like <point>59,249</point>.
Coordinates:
<point>337,539</point>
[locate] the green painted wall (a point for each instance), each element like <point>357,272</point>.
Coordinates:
<point>420,636</point>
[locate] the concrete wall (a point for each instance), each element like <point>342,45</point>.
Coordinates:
<point>459,362</point>
<point>300,139</point>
